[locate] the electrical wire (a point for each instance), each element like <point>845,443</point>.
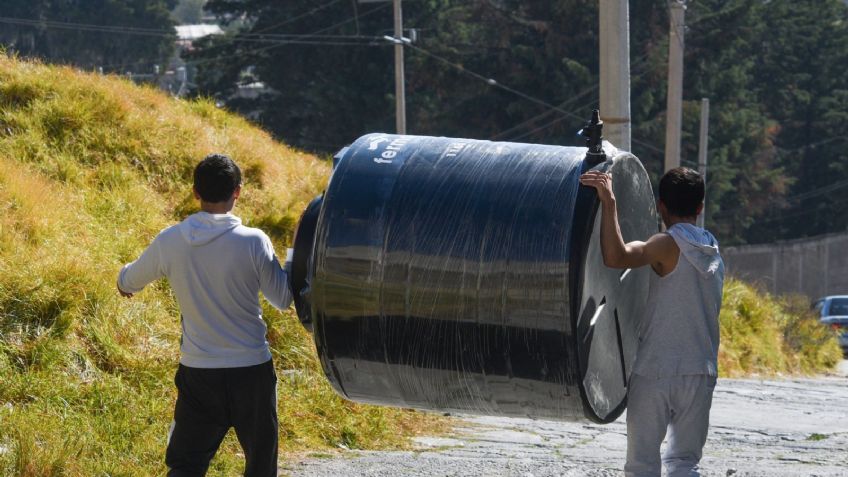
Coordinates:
<point>525,96</point>
<point>298,17</point>
<point>639,62</point>
<point>492,82</point>
<point>314,38</point>
<point>308,35</point>
<point>784,217</point>
<point>548,112</point>
<point>249,37</point>
<point>126,30</point>
<point>798,198</point>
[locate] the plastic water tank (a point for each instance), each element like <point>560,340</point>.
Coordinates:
<point>466,276</point>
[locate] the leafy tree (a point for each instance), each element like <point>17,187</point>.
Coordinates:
<point>188,11</point>
<point>800,71</point>
<point>57,37</point>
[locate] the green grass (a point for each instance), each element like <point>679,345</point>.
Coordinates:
<point>91,168</point>
<point>766,335</point>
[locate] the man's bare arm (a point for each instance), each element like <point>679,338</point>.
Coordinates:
<point>659,251</point>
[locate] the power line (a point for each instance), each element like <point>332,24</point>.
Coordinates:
<point>291,20</point>
<point>314,38</point>
<point>635,141</point>
<point>556,121</point>
<point>640,61</point>
<point>126,30</point>
<point>812,145</point>
<point>306,36</point>
<point>298,17</point>
<point>495,83</point>
<point>492,82</point>
<point>579,95</point>
<point>798,197</point>
<point>248,37</point>
<point>783,217</point>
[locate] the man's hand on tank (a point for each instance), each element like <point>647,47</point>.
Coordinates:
<point>602,182</point>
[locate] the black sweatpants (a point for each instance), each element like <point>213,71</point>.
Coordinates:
<point>209,402</point>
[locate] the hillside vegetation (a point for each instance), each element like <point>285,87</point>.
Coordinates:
<point>765,335</point>
<point>91,168</point>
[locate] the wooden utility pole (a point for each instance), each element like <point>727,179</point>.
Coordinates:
<point>674,104</point>
<point>615,72</point>
<point>702,153</point>
<point>400,90</point>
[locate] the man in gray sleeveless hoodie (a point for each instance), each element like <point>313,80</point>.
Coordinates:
<point>217,267</point>
<point>671,386</point>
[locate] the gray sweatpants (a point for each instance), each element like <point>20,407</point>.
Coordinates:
<point>679,405</point>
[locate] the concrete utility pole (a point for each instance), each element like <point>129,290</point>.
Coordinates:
<point>398,40</point>
<point>674,104</point>
<point>702,153</point>
<point>615,71</point>
<point>400,90</point>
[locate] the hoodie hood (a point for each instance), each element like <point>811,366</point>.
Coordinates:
<point>698,246</point>
<point>203,227</point>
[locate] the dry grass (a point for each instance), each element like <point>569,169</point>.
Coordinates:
<point>765,335</point>
<point>91,168</point>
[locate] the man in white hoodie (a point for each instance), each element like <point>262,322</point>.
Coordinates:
<point>217,267</point>
<point>672,382</point>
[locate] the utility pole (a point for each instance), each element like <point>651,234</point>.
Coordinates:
<point>398,40</point>
<point>674,104</point>
<point>400,90</point>
<point>702,153</point>
<point>615,71</point>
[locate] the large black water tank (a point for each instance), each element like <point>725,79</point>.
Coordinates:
<point>466,276</point>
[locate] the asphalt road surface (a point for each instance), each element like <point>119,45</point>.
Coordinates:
<point>776,427</point>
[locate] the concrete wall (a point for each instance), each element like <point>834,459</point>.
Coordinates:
<point>813,267</point>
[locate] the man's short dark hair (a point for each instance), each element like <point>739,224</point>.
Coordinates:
<point>216,178</point>
<point>682,191</point>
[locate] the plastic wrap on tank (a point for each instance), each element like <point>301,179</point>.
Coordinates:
<point>465,276</point>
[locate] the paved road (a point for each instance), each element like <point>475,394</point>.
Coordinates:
<point>793,427</point>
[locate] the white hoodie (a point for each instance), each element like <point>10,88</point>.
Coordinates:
<point>679,334</point>
<point>216,267</point>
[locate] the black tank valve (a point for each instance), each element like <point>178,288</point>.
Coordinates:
<point>593,132</point>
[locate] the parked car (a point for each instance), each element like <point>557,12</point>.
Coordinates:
<point>833,311</point>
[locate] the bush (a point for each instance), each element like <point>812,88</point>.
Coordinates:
<point>761,334</point>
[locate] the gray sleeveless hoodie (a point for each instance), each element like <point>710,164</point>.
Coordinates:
<point>679,333</point>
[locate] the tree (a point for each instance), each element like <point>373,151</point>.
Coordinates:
<point>58,37</point>
<point>800,70</point>
<point>188,11</point>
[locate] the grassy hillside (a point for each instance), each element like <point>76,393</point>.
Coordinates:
<point>765,335</point>
<point>91,168</point>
